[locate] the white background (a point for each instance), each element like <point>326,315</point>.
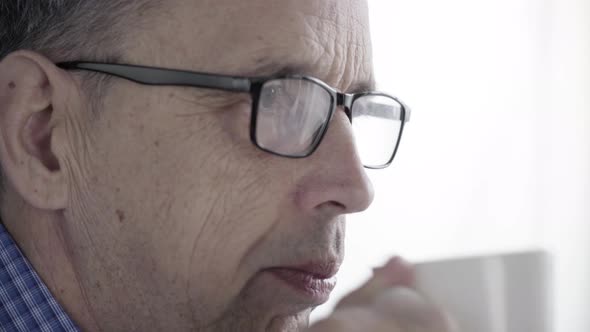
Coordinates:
<point>496,156</point>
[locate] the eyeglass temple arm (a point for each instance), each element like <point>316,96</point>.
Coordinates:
<point>158,76</point>
<point>346,100</point>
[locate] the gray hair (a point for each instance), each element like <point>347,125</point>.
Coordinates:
<point>64,29</point>
<point>69,29</point>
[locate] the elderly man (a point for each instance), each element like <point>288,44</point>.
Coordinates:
<point>187,166</point>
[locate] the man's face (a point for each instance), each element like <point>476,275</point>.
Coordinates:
<point>176,219</point>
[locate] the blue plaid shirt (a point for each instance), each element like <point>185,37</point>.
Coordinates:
<point>25,302</point>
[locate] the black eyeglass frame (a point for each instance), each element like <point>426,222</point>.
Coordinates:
<point>253,85</point>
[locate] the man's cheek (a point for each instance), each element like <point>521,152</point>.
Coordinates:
<point>255,200</point>
<point>235,221</point>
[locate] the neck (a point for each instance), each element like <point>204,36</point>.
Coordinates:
<point>39,236</point>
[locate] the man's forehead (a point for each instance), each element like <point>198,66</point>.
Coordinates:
<point>328,39</point>
<point>271,67</point>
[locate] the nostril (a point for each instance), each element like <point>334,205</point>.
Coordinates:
<point>337,205</point>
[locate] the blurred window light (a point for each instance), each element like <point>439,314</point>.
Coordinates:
<point>496,157</point>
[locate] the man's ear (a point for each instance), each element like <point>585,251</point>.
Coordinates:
<point>30,106</point>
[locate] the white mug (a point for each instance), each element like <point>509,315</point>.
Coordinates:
<point>494,293</point>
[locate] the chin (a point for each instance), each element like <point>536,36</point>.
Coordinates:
<point>254,323</point>
<point>293,323</point>
<point>267,304</point>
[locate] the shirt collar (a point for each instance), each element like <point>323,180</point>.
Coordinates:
<point>25,301</point>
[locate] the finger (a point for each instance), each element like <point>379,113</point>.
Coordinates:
<point>404,302</point>
<point>412,310</point>
<point>396,272</point>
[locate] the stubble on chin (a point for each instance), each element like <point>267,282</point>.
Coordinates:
<point>253,319</point>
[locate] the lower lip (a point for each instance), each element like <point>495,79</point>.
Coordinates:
<point>318,289</point>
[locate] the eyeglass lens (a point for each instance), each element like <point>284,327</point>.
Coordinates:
<point>293,113</point>
<point>376,124</point>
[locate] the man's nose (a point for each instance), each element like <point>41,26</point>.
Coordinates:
<point>337,176</point>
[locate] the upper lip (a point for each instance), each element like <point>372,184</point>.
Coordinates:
<point>320,270</point>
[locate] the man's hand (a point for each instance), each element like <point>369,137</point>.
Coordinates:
<point>387,302</point>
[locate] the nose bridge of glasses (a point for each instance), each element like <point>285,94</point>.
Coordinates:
<point>345,100</point>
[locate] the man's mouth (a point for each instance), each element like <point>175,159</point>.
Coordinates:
<point>313,280</point>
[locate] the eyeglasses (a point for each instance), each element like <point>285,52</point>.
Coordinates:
<point>290,114</point>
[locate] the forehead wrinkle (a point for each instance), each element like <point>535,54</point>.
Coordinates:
<point>346,38</point>
<point>346,47</point>
<point>275,68</point>
<point>300,39</point>
<point>313,60</point>
<point>330,45</point>
<point>316,58</point>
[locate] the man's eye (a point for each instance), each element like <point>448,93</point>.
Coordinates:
<point>271,97</point>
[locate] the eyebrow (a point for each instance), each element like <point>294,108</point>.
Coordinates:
<point>270,69</point>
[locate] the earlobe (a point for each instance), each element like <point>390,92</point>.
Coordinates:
<point>27,153</point>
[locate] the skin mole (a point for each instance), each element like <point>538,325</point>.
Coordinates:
<point>120,215</point>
